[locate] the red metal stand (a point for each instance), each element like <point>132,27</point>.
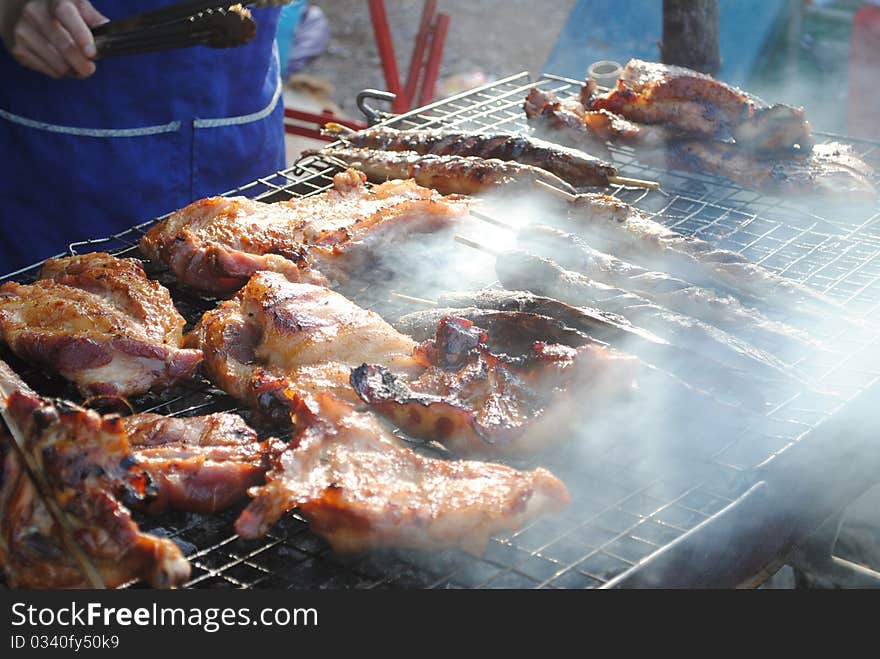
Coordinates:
<point>432,29</point>
<point>431,37</point>
<point>432,68</point>
<point>386,54</point>
<point>309,124</point>
<point>418,54</point>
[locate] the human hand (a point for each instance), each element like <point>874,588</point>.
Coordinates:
<point>51,36</point>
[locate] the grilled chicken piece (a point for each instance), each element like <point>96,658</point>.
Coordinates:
<point>568,122</point>
<point>216,244</point>
<point>723,311</point>
<point>573,165</point>
<point>447,174</point>
<point>199,464</point>
<point>475,402</point>
<point>276,336</point>
<point>831,170</point>
<point>686,101</point>
<point>689,103</point>
<point>90,473</point>
<point>99,322</point>
<point>360,489</point>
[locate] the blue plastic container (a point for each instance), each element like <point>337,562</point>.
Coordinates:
<point>287,24</point>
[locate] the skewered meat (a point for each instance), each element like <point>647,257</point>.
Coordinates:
<point>90,473</point>
<point>510,332</point>
<point>275,337</point>
<point>216,244</point>
<point>475,402</point>
<point>723,311</point>
<point>613,226</point>
<point>569,123</point>
<point>199,464</point>
<point>832,169</point>
<point>605,326</point>
<point>704,373</point>
<point>447,174</point>
<point>573,165</point>
<point>519,269</point>
<point>360,489</point>
<point>99,322</point>
<point>684,100</point>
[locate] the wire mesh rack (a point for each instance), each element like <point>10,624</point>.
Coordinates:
<point>624,515</point>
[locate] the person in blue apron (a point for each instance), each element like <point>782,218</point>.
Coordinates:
<point>137,137</point>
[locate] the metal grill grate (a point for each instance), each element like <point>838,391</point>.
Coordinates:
<point>625,515</point>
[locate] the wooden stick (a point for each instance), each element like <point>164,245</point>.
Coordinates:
<point>491,220</point>
<point>337,128</point>
<point>475,245</point>
<point>339,162</point>
<point>411,298</point>
<point>557,191</point>
<point>633,182</point>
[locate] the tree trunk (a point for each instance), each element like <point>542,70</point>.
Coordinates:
<point>690,34</point>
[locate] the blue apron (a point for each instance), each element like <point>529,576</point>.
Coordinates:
<point>146,134</point>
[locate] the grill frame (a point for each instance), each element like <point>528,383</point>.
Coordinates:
<point>635,529</point>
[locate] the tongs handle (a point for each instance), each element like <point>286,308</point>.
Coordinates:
<point>214,28</point>
<point>173,12</point>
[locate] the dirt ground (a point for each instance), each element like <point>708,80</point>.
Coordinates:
<point>491,37</point>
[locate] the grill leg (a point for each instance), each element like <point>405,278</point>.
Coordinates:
<point>816,566</point>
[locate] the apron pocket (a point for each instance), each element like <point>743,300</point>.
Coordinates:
<point>59,188</point>
<point>227,156</point>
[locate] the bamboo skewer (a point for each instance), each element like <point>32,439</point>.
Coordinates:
<point>633,182</point>
<point>561,193</point>
<point>412,298</point>
<point>488,219</point>
<point>476,245</point>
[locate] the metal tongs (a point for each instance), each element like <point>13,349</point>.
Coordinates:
<point>180,25</point>
<point>9,383</point>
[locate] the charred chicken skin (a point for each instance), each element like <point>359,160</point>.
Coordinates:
<point>477,403</point>
<point>360,489</point>
<point>275,337</point>
<point>198,464</point>
<point>216,244</point>
<point>90,473</point>
<point>99,322</point>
